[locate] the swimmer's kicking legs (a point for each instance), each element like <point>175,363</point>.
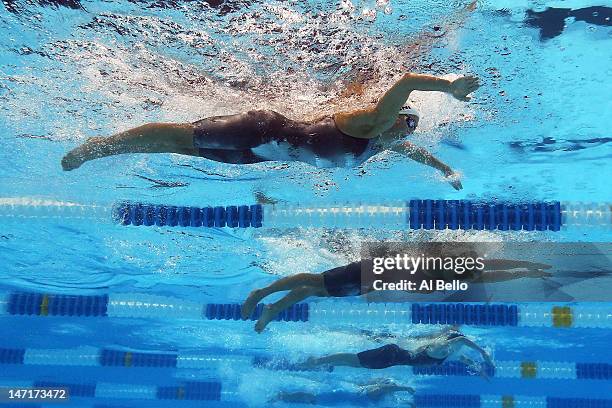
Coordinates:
<point>301,286</point>
<point>149,138</point>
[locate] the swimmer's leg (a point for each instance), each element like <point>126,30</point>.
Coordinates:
<point>295,397</point>
<point>293,297</point>
<point>312,280</point>
<point>149,138</point>
<point>339,359</point>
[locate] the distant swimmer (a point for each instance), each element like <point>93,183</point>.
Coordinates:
<point>346,281</point>
<point>344,139</point>
<point>450,344</point>
<point>367,395</point>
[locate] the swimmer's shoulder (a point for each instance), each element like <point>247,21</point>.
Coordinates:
<point>354,124</point>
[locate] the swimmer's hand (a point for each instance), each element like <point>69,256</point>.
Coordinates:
<point>484,372</point>
<point>536,266</point>
<point>80,154</point>
<point>481,370</point>
<point>460,88</point>
<point>453,178</point>
<point>539,273</point>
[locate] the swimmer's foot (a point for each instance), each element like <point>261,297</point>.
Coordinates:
<point>264,199</point>
<point>250,303</point>
<point>309,364</point>
<point>266,317</point>
<point>81,154</point>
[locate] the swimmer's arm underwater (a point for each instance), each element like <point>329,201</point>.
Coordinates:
<point>421,155</point>
<point>464,341</point>
<point>501,270</point>
<point>369,123</point>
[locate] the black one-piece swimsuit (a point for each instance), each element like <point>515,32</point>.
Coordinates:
<point>265,135</point>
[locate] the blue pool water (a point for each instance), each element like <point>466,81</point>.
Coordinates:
<point>537,129</point>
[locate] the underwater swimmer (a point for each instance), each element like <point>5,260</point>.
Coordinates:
<point>450,344</point>
<point>367,395</point>
<point>345,281</point>
<point>345,139</point>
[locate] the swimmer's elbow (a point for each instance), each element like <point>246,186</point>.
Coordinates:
<point>410,79</point>
<point>409,76</point>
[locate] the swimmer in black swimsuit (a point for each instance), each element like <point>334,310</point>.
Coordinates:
<point>346,281</point>
<point>336,282</point>
<point>372,394</point>
<point>344,139</point>
<point>442,346</point>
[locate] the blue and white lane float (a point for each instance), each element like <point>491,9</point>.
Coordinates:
<point>412,214</point>
<point>212,391</point>
<point>108,357</point>
<point>576,315</point>
<point>505,401</point>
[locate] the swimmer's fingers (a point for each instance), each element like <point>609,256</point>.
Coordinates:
<point>463,86</point>
<point>453,178</point>
<point>457,185</point>
<point>455,182</point>
<point>472,80</point>
<point>537,266</point>
<point>539,273</point>
<point>472,85</point>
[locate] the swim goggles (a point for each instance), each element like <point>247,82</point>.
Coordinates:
<point>410,114</point>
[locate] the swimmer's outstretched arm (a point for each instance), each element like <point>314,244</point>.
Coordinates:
<point>369,123</point>
<point>149,138</point>
<point>457,342</point>
<point>496,264</point>
<point>421,155</point>
<point>378,391</point>
<point>500,270</point>
<point>435,335</point>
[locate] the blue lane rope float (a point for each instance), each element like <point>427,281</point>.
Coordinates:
<point>420,214</point>
<point>505,401</point>
<point>412,214</point>
<point>593,315</point>
<point>242,216</point>
<point>108,357</point>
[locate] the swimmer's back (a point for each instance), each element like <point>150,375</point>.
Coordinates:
<point>271,136</point>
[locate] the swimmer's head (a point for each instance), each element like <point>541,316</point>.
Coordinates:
<point>406,122</point>
<point>410,117</point>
